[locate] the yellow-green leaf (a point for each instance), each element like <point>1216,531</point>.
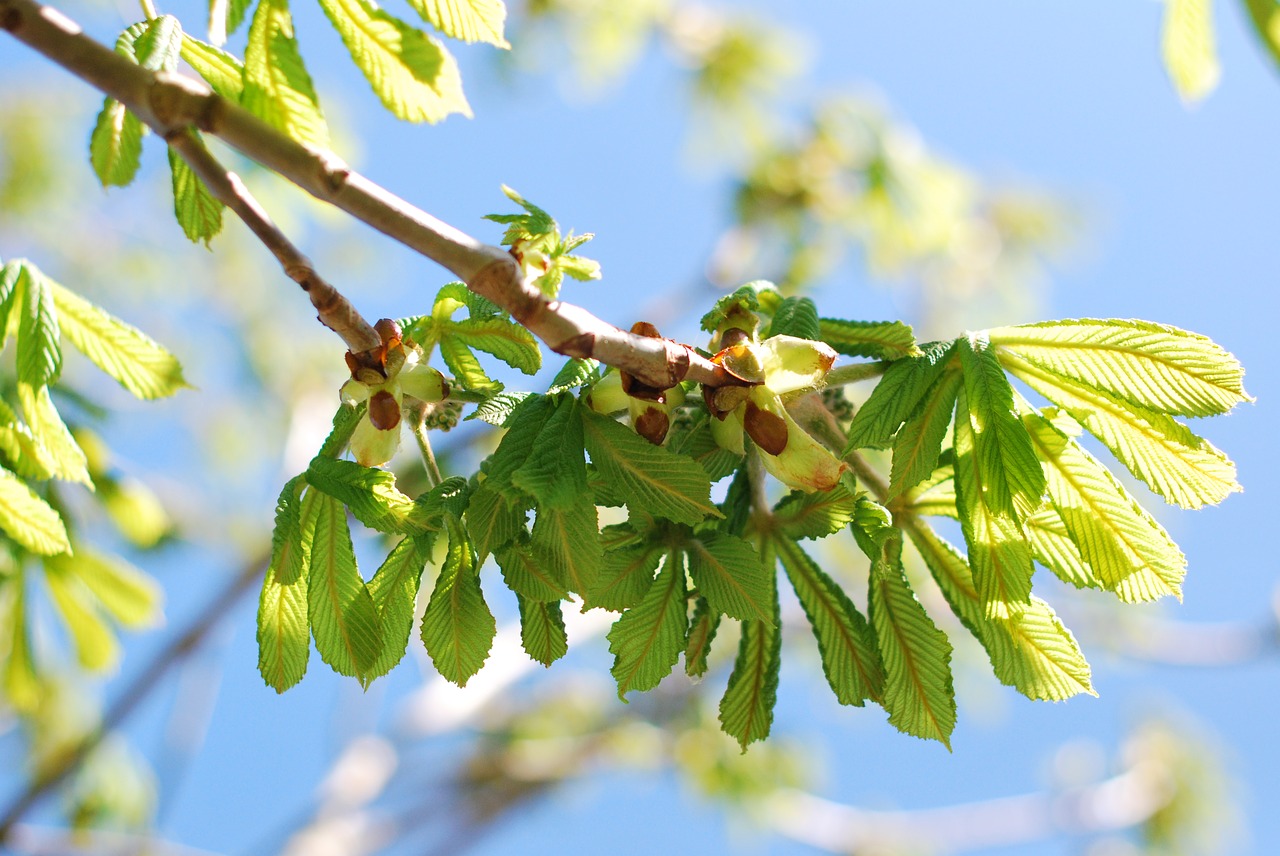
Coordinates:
<point>58,450</point>
<point>220,70</point>
<point>28,519</point>
<point>277,88</point>
<point>1188,48</point>
<point>96,646</point>
<point>198,212</point>
<point>467,20</point>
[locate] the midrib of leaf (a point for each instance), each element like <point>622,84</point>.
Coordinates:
<point>332,509</point>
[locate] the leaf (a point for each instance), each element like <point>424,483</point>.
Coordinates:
<point>896,396</point>
<point>555,470</point>
<point>745,299</point>
<point>159,43</point>
<point>413,75</point>
<point>795,316</point>
<point>814,515</point>
<point>39,336</point>
<point>458,628</point>
<point>1150,365</point>
<point>198,212</point>
<point>702,632</point>
<point>625,577</point>
<point>918,693</point>
<point>115,146</point>
<point>574,374</point>
<point>647,640</point>
<point>467,20</point>
<point>394,589</point>
<point>277,88</point>
<point>504,339</point>
<point>129,596</point>
<point>567,542</point>
<point>494,520</point>
<point>370,493</point>
<point>222,71</point>
<point>96,646</point>
<point>542,633</point>
<point>846,643</point>
<point>58,450</point>
<point>698,443</point>
<point>465,367</point>
<point>1031,650</point>
<point>1127,551</point>
<point>343,617</point>
<point>137,362</point>
<point>1183,468</point>
<point>881,340</point>
<point>22,684</point>
<point>11,276</point>
<point>1053,548</point>
<point>918,444</point>
<point>1011,480</point>
<point>647,476</point>
<point>30,521</point>
<point>528,577</point>
<point>236,10</point>
<point>284,637</point>
<point>746,708</point>
<point>998,549</point>
<point>732,577</point>
<point>498,409</point>
<point>1188,48</point>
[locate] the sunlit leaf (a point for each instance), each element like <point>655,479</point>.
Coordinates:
<point>198,212</point>
<point>896,397</point>
<point>343,617</point>
<point>1188,48</point>
<point>467,20</point>
<point>277,88</point>
<point>814,515</point>
<point>28,519</point>
<point>881,340</point>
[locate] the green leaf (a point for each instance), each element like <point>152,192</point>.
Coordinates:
<point>458,628</point>
<point>523,427</point>
<point>918,693</point>
<point>1183,468</point>
<point>1150,365</point>
<point>732,577</point>
<point>746,708</point>
<point>1010,477</point>
<point>236,10</point>
<point>277,88</point>
<point>58,450</point>
<point>284,638</point>
<point>647,640</point>
<point>129,596</point>
<point>555,469</point>
<point>465,367</point>
<point>115,146</point>
<point>220,70</point>
<point>394,589</point>
<point>527,576</point>
<point>39,336</point>
<point>1125,548</point>
<point>96,647</point>
<point>374,499</point>
<point>881,340</point>
<point>343,617</point>
<point>702,632</point>
<point>1053,548</point>
<point>21,682</point>
<point>566,540</point>
<point>626,576</point>
<point>468,20</point>
<point>647,476</point>
<point>795,316</point>
<point>574,374</point>
<point>498,409</point>
<point>504,339</point>
<point>918,444</point>
<point>1188,48</point>
<point>896,397</point>
<point>11,275</point>
<point>28,519</point>
<point>494,520</point>
<point>345,420</point>
<point>998,549</point>
<point>412,73</point>
<point>198,212</point>
<point>1030,650</point>
<point>137,362</point>
<point>542,633</point>
<point>745,299</point>
<point>159,44</point>
<point>698,443</point>
<point>846,644</point>
<point>814,515</point>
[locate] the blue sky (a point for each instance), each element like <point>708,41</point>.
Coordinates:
<point>1071,97</point>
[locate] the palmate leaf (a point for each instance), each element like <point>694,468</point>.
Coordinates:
<point>1183,468</point>
<point>881,340</point>
<point>918,444</point>
<point>730,574</point>
<point>467,20</point>
<point>998,549</point>
<point>896,397</point>
<point>57,449</point>
<point>1188,48</point>
<point>918,692</point>
<point>1030,650</point>
<point>814,515</point>
<point>343,617</point>
<point>137,362</point>
<point>410,72</point>
<point>458,628</point>
<point>30,521</point>
<point>647,476</point>
<point>220,70</point>
<point>746,708</point>
<point>39,336</point>
<point>542,633</point>
<point>647,640</point>
<point>284,637</point>
<point>702,632</point>
<point>1150,365</point>
<point>198,212</point>
<point>277,87</point>
<point>846,644</point>
<point>394,589</point>
<point>1126,550</point>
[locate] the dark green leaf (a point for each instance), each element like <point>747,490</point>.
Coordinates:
<point>795,316</point>
<point>542,632</point>
<point>555,470</point>
<point>732,577</point>
<point>699,444</point>
<point>814,515</point>
<point>896,397</point>
<point>918,444</point>
<point>626,576</point>
<point>702,632</point>
<point>528,577</point>
<point>567,542</point>
<point>494,519</point>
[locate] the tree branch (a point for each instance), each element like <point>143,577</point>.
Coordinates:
<point>335,311</point>
<point>169,103</point>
